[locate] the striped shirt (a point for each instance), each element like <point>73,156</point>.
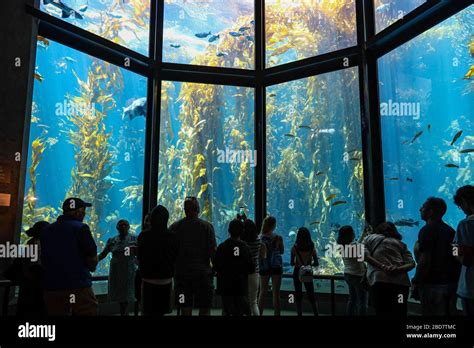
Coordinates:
<point>255,252</point>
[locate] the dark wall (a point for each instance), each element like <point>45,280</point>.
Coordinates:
<point>17,57</point>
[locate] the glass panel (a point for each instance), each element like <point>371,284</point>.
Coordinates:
<point>126,23</point>
<point>426,101</point>
<point>314,160</point>
<point>298,29</point>
<point>388,12</point>
<point>207,151</point>
<point>86,140</point>
<point>209,32</point>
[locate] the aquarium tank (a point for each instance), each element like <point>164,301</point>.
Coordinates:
<point>427,117</point>
<point>87,131</point>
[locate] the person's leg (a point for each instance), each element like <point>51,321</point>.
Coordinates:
<point>203,289</point>
<point>362,297</point>
<point>264,279</point>
<point>452,300</point>
<point>123,309</point>
<point>226,305</point>
<point>298,293</point>
<point>352,301</point>
<point>57,302</point>
<point>184,296</point>
<point>86,303</point>
<point>309,286</point>
<point>468,306</point>
<point>254,280</point>
<point>399,299</point>
<point>276,284</point>
<point>381,299</point>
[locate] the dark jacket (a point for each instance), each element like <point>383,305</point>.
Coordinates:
<point>233,263</point>
<point>65,246</point>
<point>157,253</point>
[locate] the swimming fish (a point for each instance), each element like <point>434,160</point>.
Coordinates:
<point>214,38</point>
<point>410,179</point>
<point>355,159</point>
<point>451,165</point>
<point>466,151</point>
<point>115,15</point>
<point>406,222</point>
<point>327,131</point>
<point>221,54</point>
<point>250,38</point>
<point>66,11</point>
<point>315,223</point>
<point>83,8</point>
<point>39,77</point>
<point>290,135</point>
<point>394,179</point>
<point>271,95</point>
<point>252,22</point>
<point>469,74</point>
<point>319,173</point>
<point>405,142</point>
<point>69,59</point>
<point>175,45</point>
<point>242,29</point>
<point>429,128</point>
<point>328,198</point>
<point>136,109</point>
<point>305,127</point>
<point>235,33</point>
<point>339,203</point>
<point>202,35</point>
<point>417,135</point>
<point>456,137</point>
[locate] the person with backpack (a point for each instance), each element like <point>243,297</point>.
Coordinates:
<point>271,267</point>
<point>303,258</point>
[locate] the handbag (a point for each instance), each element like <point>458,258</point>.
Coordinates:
<point>364,282</point>
<point>305,273</point>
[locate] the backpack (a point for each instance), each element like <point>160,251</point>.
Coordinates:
<point>274,259</point>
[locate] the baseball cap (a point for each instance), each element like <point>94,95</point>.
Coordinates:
<point>73,203</point>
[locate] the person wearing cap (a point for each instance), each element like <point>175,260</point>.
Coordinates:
<point>157,252</point>
<point>197,248</point>
<point>122,266</point>
<point>68,256</point>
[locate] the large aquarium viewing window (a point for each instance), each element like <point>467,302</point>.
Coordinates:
<point>298,29</point>
<point>87,139</point>
<point>207,151</point>
<point>271,107</point>
<point>219,33</point>
<point>126,23</point>
<point>427,121</point>
<point>314,159</point>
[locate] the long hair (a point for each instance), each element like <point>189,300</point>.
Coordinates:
<point>303,240</point>
<point>346,235</point>
<point>250,231</point>
<point>269,224</point>
<point>388,229</point>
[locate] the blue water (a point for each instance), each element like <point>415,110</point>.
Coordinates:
<point>313,133</point>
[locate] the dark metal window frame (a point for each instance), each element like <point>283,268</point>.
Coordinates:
<point>364,55</point>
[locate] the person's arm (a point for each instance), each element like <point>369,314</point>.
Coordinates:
<point>263,251</point>
<point>281,245</point>
<point>212,243</point>
<point>424,263</point>
<point>315,258</point>
<point>408,262</point>
<point>367,256</point>
<point>88,248</point>
<point>106,251</point>
<point>293,255</point>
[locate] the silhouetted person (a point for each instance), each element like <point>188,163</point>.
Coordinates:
<point>257,252</point>
<point>303,253</point>
<point>138,275</point>
<point>389,262</point>
<point>464,240</point>
<point>437,272</point>
<point>30,294</point>
<point>121,284</point>
<point>197,247</point>
<point>354,271</point>
<point>233,264</point>
<point>68,256</point>
<point>271,267</point>
<point>157,253</point>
